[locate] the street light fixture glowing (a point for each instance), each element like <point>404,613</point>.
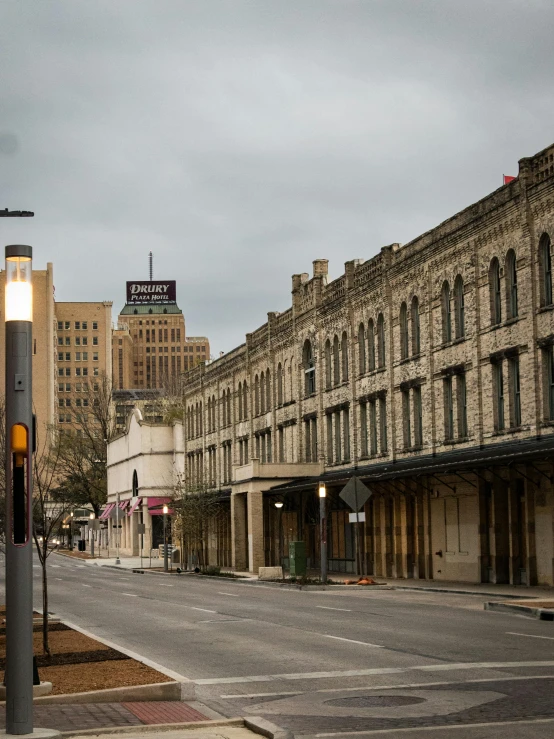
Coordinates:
<point>165,510</point>
<point>279,504</point>
<point>322,490</point>
<point>91,516</point>
<point>19,289</point>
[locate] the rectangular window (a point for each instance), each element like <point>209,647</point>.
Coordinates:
<point>329,438</point>
<point>68,357</point>
<point>61,401</point>
<point>77,387</point>
<point>95,356</point>
<point>68,402</point>
<point>95,371</point>
<point>60,371</point>
<point>67,325</point>
<point>498,379</point>
<point>383,424</point>
<point>77,356</point>
<point>61,387</point>
<point>78,372</point>
<point>85,356</point>
<point>68,371</point>
<point>67,387</point>
<point>60,356</point>
<point>418,417</point>
<point>95,339</point>
<point>461,395</point>
<point>314,439</point>
<point>68,340</point>
<point>85,341</point>
<point>448,409</point>
<point>548,360</point>
<point>338,444</point>
<point>372,427</point>
<point>95,325</point>
<point>308,440</point>
<point>77,325</point>
<point>84,325</point>
<point>406,419</point>
<point>60,325</point>
<point>346,434</point>
<point>85,371</point>
<point>60,341</point>
<point>77,341</point>
<point>281,444</point>
<point>363,427</point>
<point>516,391</point>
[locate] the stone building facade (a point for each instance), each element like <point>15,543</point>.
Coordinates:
<point>428,372</point>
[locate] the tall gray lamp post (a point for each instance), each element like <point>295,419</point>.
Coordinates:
<point>19,443</point>
<point>322,490</point>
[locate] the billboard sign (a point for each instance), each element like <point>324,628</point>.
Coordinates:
<point>152,293</point>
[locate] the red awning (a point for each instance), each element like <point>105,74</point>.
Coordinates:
<point>107,510</point>
<point>155,506</point>
<point>123,505</point>
<point>134,507</point>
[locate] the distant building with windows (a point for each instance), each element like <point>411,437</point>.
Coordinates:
<point>150,347</point>
<point>428,372</point>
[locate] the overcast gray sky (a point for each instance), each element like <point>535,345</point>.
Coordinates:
<point>241,140</point>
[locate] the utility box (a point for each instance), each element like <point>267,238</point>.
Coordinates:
<point>297,558</point>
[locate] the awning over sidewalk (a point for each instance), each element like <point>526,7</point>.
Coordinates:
<point>107,510</point>
<point>134,505</point>
<point>155,506</point>
<point>123,505</point>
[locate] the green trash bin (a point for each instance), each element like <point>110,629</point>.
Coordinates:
<point>297,558</point>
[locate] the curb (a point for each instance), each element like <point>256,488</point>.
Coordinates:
<point>543,614</point>
<point>150,728</point>
<point>266,728</point>
<point>128,693</point>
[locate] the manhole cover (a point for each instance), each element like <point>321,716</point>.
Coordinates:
<point>375,701</point>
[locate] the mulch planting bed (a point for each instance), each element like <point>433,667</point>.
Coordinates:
<point>79,663</point>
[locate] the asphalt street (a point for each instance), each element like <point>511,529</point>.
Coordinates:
<point>333,663</point>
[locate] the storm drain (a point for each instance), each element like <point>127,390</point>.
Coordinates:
<point>375,701</point>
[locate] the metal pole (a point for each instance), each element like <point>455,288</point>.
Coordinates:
<point>19,555</point>
<point>117,512</point>
<point>92,543</point>
<point>323,539</point>
<point>165,543</point>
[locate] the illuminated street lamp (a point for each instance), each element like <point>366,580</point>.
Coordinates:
<point>165,512</point>
<point>19,425</point>
<point>322,491</point>
<point>91,517</point>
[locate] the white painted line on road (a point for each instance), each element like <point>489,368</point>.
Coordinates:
<point>59,578</point>
<point>85,586</point>
<point>369,671</point>
<point>36,567</point>
<point>445,728</point>
<point>328,608</point>
<point>130,595</point>
<point>531,636</point>
<point>165,585</point>
<point>206,610</point>
<point>233,595</point>
<point>53,565</point>
<point>354,641</point>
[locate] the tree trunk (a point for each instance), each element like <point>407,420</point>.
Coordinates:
<point>45,643</point>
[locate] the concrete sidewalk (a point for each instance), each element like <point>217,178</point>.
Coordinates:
<point>249,728</point>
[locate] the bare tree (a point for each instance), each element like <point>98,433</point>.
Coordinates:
<point>196,512</point>
<point>49,509</point>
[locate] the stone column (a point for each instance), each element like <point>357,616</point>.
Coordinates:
<point>134,543</point>
<point>500,540</point>
<point>530,490</point>
<point>238,531</point>
<point>256,557</point>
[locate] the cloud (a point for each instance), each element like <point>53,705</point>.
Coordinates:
<point>241,140</point>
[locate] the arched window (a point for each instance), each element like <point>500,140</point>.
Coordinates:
<point>344,356</point>
<point>336,361</point>
<point>361,349</point>
<point>285,382</point>
<point>279,384</point>
<point>292,372</point>
<point>494,291</point>
<point>201,418</point>
<point>381,349</point>
<point>404,338</point>
<point>446,313</point>
<point>214,413</point>
<point>511,285</point>
<point>209,424</point>
<point>545,262</point>
<point>135,484</point>
<point>245,400</point>
<point>229,407</point>
<point>262,392</point>
<point>256,395</point>
<point>416,333</point>
<point>268,403</point>
<point>328,365</point>
<point>240,401</point>
<point>370,345</point>
<point>223,410</point>
<point>309,368</point>
<point>459,307</point>
<point>196,424</point>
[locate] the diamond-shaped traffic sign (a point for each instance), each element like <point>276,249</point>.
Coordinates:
<point>355,494</point>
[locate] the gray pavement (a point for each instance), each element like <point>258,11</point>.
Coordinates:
<point>323,663</point>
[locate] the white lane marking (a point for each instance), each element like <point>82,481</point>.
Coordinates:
<point>130,595</point>
<point>369,671</point>
<point>531,636</point>
<point>36,567</point>
<point>165,585</point>
<point>206,610</point>
<point>53,566</point>
<point>354,641</point>
<point>85,586</point>
<point>328,608</point>
<point>59,578</point>
<point>446,727</point>
<point>233,595</point>
<point>403,686</point>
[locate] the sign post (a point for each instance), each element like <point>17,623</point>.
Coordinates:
<point>355,494</point>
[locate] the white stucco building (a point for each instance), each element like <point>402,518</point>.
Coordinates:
<point>144,463</point>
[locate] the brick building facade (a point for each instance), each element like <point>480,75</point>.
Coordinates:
<point>428,371</point>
